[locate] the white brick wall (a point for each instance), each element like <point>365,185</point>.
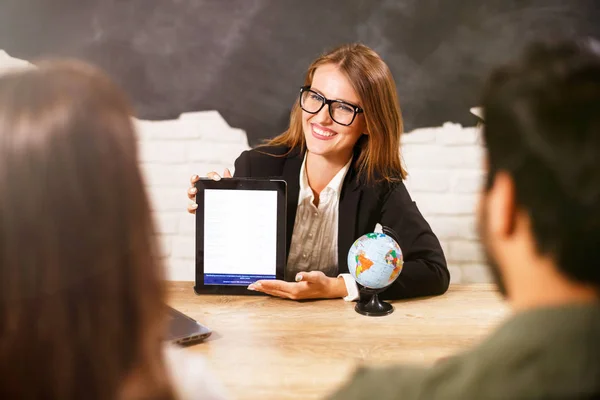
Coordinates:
<point>444,165</point>
<point>445,175</point>
<point>171,152</point>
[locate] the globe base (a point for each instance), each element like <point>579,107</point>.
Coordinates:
<point>374,307</point>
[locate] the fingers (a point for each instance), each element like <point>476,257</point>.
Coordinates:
<point>192,193</point>
<point>273,285</point>
<point>214,176</point>
<point>276,288</point>
<point>310,277</point>
<point>192,208</point>
<point>194,179</point>
<point>192,189</point>
<point>276,293</point>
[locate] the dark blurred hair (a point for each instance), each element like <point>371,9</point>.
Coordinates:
<point>81,293</point>
<point>542,126</point>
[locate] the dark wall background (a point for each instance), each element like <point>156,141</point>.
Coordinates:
<point>246,58</point>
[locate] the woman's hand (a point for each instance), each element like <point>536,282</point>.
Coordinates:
<point>192,189</point>
<point>308,285</point>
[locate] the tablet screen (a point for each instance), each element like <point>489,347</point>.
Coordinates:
<point>240,236</point>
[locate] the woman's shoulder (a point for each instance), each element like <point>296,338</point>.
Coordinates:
<point>190,375</point>
<point>397,192</point>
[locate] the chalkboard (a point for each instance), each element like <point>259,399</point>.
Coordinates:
<point>246,58</point>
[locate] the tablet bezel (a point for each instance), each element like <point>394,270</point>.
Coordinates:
<point>277,185</point>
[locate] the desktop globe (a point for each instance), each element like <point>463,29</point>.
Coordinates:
<point>375,262</point>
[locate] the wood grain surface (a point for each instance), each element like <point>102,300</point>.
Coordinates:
<point>269,348</point>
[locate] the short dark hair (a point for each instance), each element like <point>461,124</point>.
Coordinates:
<point>542,127</point>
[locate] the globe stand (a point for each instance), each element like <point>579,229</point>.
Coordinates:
<point>373,307</point>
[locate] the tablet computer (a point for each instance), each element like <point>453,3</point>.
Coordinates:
<point>240,234</point>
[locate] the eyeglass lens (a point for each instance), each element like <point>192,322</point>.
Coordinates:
<point>340,112</point>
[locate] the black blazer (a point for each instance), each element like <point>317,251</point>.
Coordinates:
<point>361,207</point>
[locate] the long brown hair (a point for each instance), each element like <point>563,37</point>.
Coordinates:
<point>370,77</point>
<point>81,292</point>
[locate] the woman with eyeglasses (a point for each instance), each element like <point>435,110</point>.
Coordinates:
<point>341,160</point>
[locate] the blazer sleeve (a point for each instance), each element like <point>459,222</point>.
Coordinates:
<point>425,272</point>
<point>242,165</point>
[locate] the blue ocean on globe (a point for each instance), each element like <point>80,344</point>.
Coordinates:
<point>375,260</point>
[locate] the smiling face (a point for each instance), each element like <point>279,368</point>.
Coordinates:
<point>324,137</point>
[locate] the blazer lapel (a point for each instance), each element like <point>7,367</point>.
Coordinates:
<point>291,174</point>
<point>348,210</point>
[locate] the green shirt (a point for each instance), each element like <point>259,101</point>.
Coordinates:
<point>549,353</point>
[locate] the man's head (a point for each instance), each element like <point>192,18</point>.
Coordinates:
<point>540,210</point>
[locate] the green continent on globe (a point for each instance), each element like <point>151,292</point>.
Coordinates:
<point>391,258</point>
<point>371,235</point>
<point>362,263</point>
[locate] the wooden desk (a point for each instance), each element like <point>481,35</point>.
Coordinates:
<point>268,348</point>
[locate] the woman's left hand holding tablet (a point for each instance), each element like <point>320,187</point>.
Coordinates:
<point>192,189</point>
<point>308,285</point>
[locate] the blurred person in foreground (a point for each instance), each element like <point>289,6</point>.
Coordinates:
<point>539,221</point>
<point>82,312</point>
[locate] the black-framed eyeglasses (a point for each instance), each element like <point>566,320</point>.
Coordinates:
<point>341,112</point>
